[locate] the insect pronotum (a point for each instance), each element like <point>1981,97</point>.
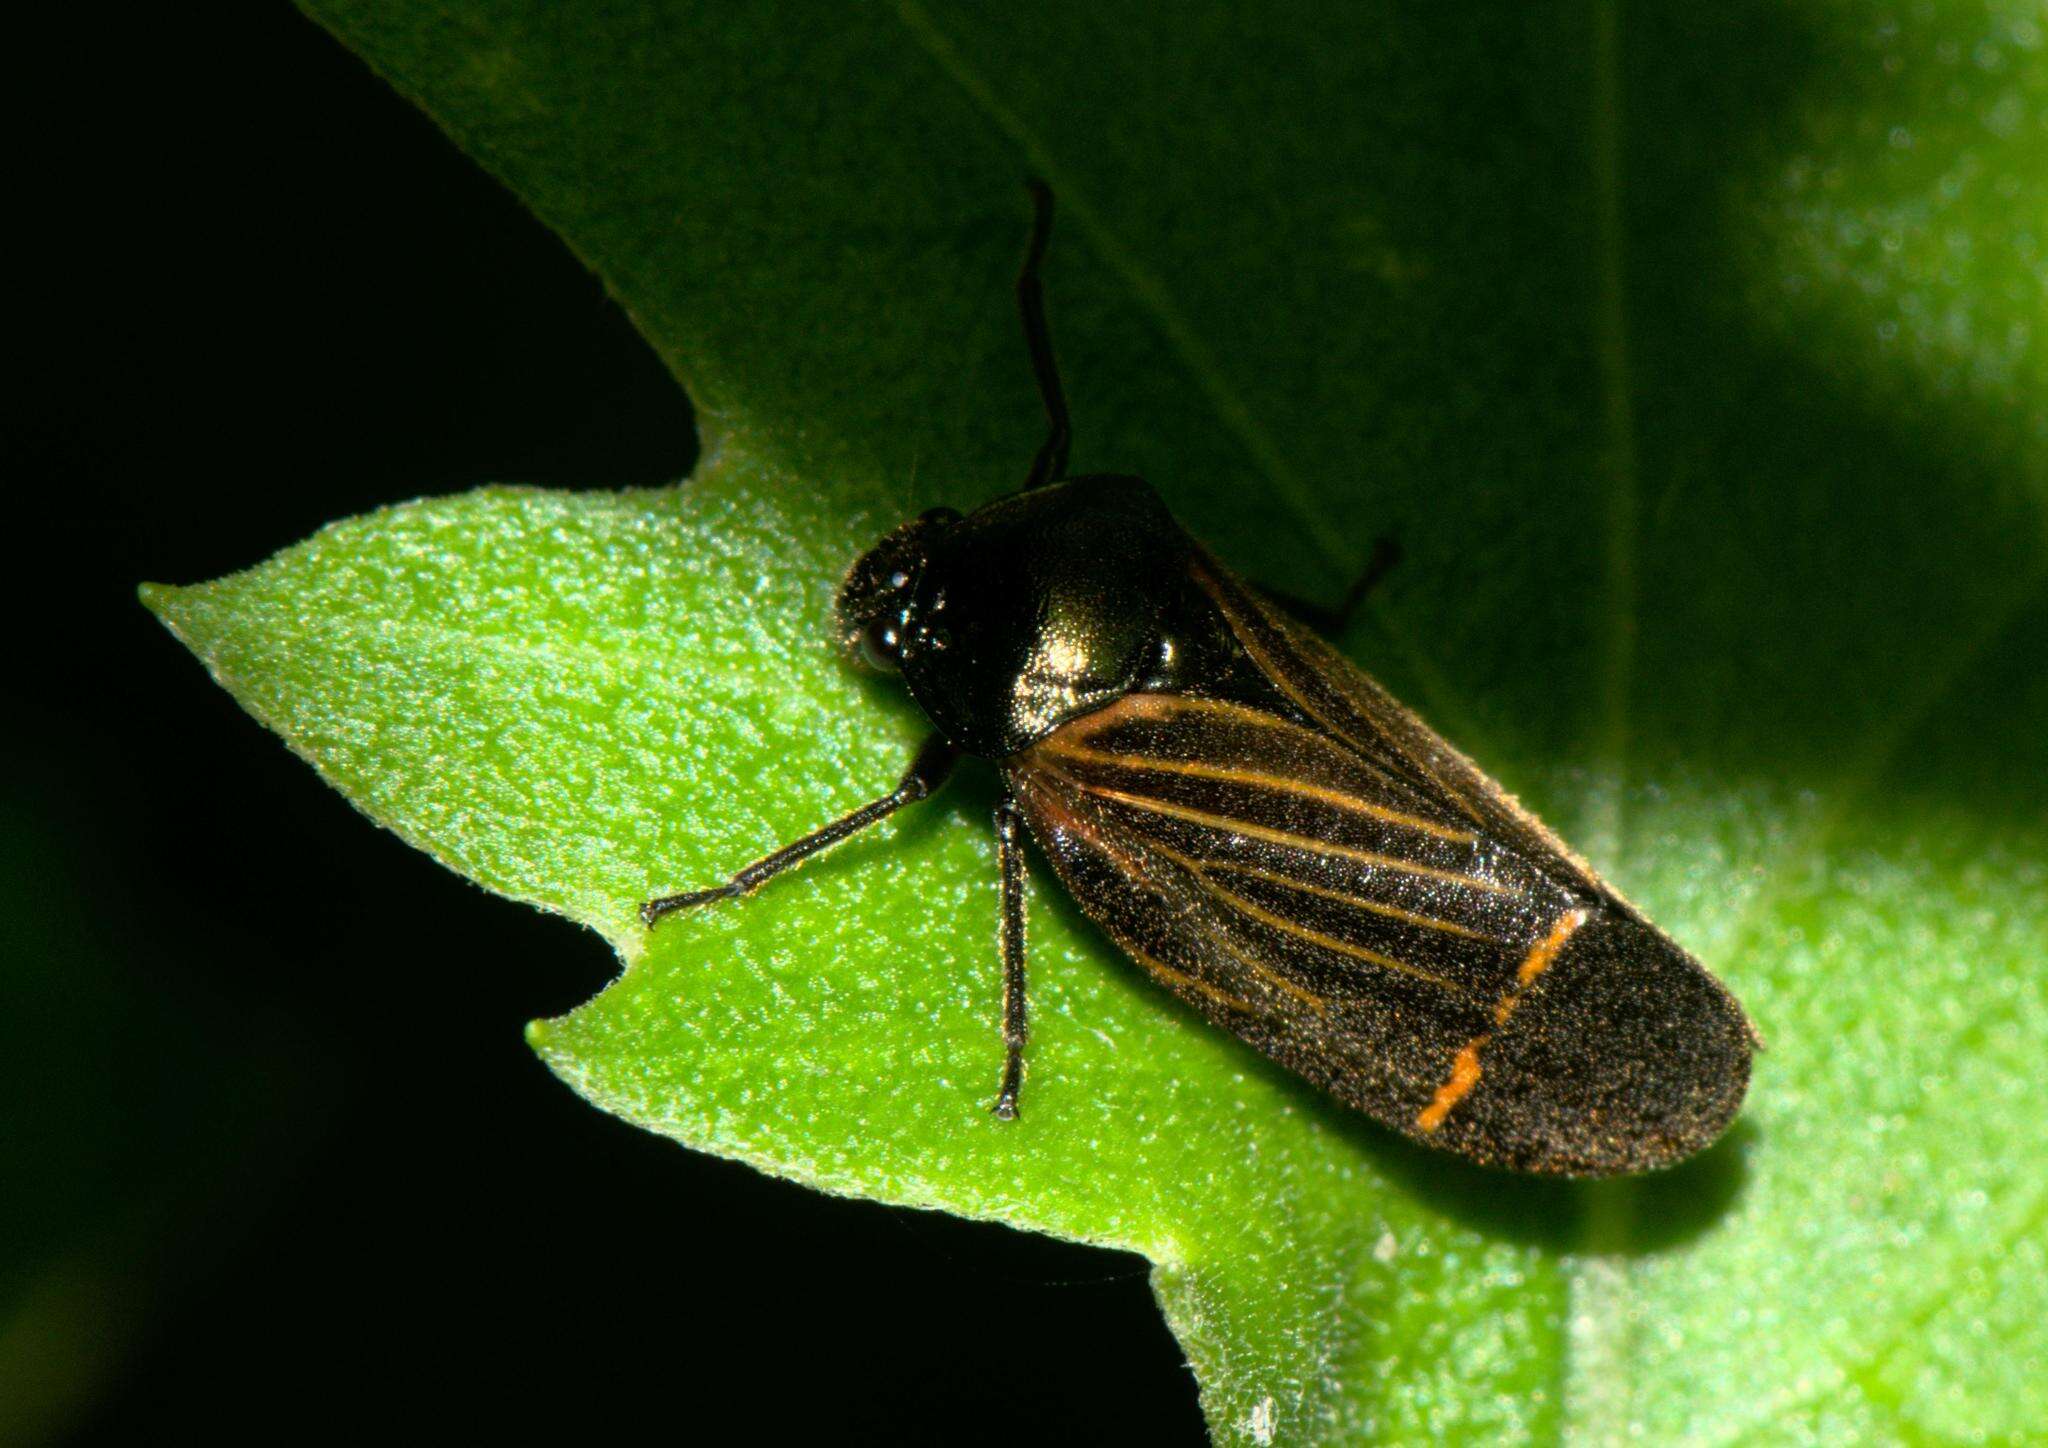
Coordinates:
<point>1268,833</point>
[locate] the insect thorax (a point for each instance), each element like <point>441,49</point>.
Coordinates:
<point>1034,609</point>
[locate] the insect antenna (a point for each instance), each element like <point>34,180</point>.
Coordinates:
<point>1051,463</point>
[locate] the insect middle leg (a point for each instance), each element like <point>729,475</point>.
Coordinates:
<point>927,772</point>
<point>1010,863</point>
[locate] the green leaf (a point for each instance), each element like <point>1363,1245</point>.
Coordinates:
<point>1697,360</point>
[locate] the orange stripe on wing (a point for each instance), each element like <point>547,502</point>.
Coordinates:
<point>1537,961</point>
<point>1292,841</point>
<point>1330,942</point>
<point>1235,614</point>
<point>1464,1076</point>
<point>1154,707</point>
<point>1392,912</point>
<point>1465,1068</point>
<point>1135,869</point>
<point>1195,983</point>
<point>1224,773</point>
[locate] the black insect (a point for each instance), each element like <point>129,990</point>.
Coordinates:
<point>1270,835</point>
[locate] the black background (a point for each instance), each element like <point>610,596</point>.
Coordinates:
<point>291,1129</point>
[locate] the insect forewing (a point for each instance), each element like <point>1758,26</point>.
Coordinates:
<point>1312,868</point>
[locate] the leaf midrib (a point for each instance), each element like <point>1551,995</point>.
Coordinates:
<point>1598,1288</point>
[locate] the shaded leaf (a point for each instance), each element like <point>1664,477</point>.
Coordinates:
<point>1694,358</point>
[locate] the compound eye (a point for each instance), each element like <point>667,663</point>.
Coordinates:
<point>881,645</point>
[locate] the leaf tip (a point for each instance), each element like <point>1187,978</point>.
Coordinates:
<point>171,605</point>
<point>177,608</point>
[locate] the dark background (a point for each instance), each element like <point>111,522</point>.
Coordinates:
<point>275,1157</point>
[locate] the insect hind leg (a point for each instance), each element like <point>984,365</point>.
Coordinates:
<point>1330,622</point>
<point>1010,863</point>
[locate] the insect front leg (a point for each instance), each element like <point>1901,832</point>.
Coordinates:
<point>927,772</point>
<point>1010,863</point>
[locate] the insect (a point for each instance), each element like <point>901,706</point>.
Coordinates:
<point>1268,833</point>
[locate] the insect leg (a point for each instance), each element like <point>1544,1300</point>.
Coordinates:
<point>927,772</point>
<point>1330,622</point>
<point>1010,862</point>
<point>1051,463</point>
